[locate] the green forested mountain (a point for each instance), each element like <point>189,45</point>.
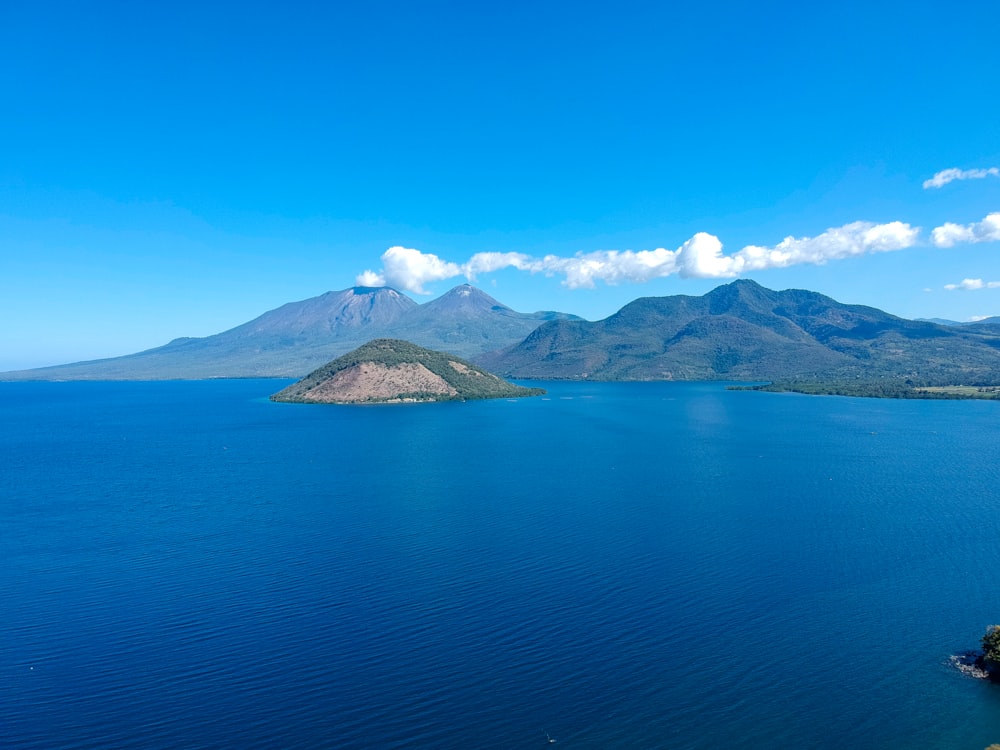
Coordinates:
<point>389,370</point>
<point>743,331</point>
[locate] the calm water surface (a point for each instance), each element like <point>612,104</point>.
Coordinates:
<point>648,565</point>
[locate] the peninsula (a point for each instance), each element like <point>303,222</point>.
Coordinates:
<point>387,371</point>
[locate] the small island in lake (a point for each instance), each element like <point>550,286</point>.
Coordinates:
<point>386,371</point>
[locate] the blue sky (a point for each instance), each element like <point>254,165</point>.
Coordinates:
<point>174,170</point>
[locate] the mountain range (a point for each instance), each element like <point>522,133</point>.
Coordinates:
<point>743,331</point>
<point>298,337</point>
<point>739,331</point>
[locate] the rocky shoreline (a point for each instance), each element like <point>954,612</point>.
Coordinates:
<point>970,663</point>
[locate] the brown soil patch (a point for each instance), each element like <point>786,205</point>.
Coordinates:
<point>370,381</point>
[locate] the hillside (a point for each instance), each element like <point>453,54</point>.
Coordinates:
<point>393,371</point>
<point>743,331</point>
<point>300,336</point>
<point>469,322</point>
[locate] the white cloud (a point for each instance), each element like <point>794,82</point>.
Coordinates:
<point>972,284</point>
<point>610,266</point>
<point>850,240</point>
<point>700,257</point>
<point>949,234</point>
<point>370,278</point>
<point>409,269</point>
<point>487,262</point>
<point>987,230</point>
<point>945,176</point>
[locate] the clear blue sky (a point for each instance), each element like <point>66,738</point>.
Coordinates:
<point>175,169</point>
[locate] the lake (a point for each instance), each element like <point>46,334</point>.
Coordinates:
<point>614,565</point>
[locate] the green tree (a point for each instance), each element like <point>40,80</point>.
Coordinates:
<point>991,647</point>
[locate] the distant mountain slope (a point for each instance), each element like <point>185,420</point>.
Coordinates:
<point>392,371</point>
<point>743,331</point>
<point>331,313</point>
<point>986,325</point>
<point>468,321</point>
<point>300,336</point>
<point>940,321</point>
<point>992,323</point>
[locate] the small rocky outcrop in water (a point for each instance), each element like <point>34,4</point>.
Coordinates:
<point>985,664</point>
<point>393,371</point>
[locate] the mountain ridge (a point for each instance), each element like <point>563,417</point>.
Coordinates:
<point>297,337</point>
<point>737,331</point>
<point>743,331</point>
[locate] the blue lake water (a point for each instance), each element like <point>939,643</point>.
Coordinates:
<point>644,565</point>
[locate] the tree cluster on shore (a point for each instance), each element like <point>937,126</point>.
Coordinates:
<point>991,651</point>
<point>878,388</point>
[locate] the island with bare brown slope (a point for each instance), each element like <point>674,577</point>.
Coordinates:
<point>386,371</point>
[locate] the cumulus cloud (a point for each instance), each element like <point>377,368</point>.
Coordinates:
<point>945,176</point>
<point>850,240</point>
<point>370,278</point>
<point>948,234</point>
<point>409,269</point>
<point>610,266</point>
<point>487,262</point>
<point>967,285</point>
<point>700,257</point>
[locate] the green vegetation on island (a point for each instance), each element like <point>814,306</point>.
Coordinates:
<point>991,649</point>
<point>877,388</point>
<point>394,371</point>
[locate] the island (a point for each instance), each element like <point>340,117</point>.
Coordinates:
<point>391,371</point>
